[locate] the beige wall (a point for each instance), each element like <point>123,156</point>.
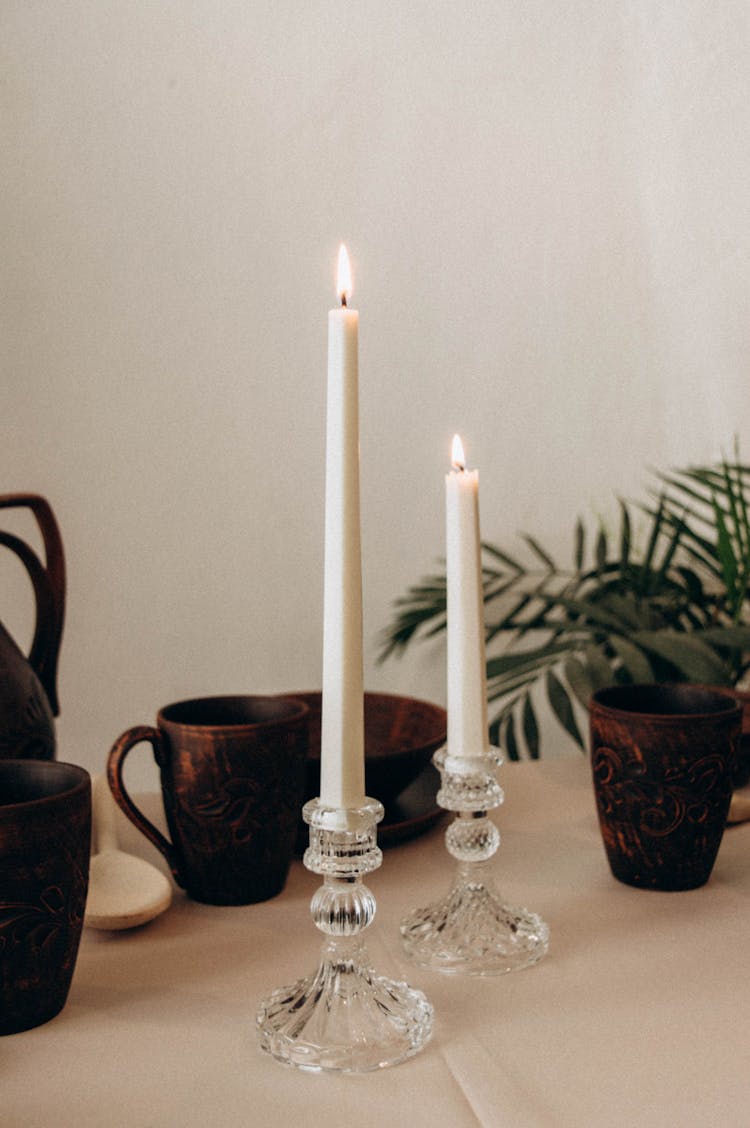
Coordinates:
<point>547,211</point>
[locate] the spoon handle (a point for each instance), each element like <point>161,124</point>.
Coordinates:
<point>104,809</point>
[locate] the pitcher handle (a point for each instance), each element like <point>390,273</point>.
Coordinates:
<point>48,581</point>
<point>115,762</point>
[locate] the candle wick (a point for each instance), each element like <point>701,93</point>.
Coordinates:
<point>343,300</point>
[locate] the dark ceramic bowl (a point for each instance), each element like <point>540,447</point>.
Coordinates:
<point>401,736</point>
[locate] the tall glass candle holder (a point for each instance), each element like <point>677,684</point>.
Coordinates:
<point>344,1017</point>
<point>471,930</point>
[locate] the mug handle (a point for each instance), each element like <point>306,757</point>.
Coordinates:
<point>115,763</point>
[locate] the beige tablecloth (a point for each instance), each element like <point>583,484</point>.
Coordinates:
<point>637,1016</point>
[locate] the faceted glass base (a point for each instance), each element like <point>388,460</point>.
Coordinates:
<point>344,1018</point>
<point>472,932</point>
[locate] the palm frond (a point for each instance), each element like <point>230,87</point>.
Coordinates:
<point>675,609</point>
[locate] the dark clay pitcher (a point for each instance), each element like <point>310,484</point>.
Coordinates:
<point>28,686</point>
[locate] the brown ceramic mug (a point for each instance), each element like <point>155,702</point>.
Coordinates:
<point>663,758</point>
<point>45,838</point>
<point>232,780</point>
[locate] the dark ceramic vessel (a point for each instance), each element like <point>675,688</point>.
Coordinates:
<point>663,759</point>
<point>45,835</point>
<point>28,689</point>
<point>401,735</point>
<point>232,776</point>
<point>741,774</point>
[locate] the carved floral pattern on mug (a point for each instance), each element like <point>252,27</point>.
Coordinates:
<point>685,792</point>
<point>234,803</point>
<point>22,922</point>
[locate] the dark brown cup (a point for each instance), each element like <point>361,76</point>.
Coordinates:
<point>232,779</point>
<point>662,758</point>
<point>45,837</point>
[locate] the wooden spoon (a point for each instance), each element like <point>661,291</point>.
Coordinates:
<point>124,891</point>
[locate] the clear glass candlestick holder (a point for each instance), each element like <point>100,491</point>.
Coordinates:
<point>344,1017</point>
<point>471,930</point>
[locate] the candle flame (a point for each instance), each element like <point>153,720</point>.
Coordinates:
<point>344,283</point>
<point>458,459</point>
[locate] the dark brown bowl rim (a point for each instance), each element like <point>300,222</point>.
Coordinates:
<point>44,766</point>
<point>438,710</point>
<point>733,707</point>
<point>297,714</point>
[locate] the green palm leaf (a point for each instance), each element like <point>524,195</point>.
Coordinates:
<point>562,706</point>
<point>675,609</point>
<point>530,728</point>
<point>693,659</point>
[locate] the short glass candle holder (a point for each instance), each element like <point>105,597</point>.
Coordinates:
<point>344,1017</point>
<point>471,931</point>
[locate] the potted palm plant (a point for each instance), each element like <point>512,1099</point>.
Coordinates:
<point>671,607</point>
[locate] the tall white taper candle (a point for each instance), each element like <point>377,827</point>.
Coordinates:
<point>342,760</point>
<point>467,676</point>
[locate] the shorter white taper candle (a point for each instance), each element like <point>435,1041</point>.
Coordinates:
<point>467,675</point>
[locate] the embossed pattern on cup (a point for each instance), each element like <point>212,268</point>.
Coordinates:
<point>662,759</point>
<point>232,776</point>
<point>45,836</point>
